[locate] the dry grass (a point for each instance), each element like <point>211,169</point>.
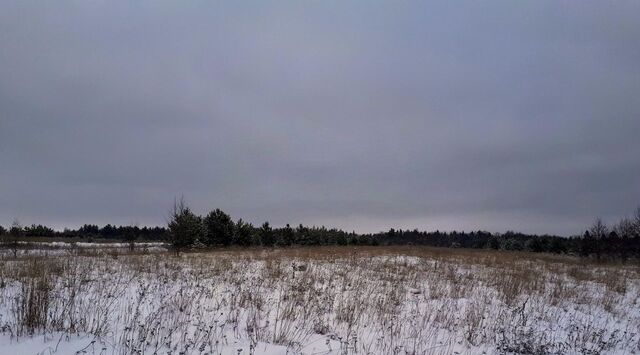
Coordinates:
<point>371,300</point>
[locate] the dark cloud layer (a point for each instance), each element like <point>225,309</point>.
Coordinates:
<point>364,115</point>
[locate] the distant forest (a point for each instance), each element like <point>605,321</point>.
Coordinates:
<point>187,230</point>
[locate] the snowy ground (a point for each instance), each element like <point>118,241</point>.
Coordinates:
<point>26,249</point>
<point>317,301</point>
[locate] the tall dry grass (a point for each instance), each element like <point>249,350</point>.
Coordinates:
<point>368,300</point>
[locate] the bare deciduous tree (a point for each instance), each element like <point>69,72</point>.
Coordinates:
<point>15,233</point>
<point>598,230</point>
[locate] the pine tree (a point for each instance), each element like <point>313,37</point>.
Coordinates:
<point>185,228</point>
<point>130,235</point>
<point>243,233</point>
<point>16,232</point>
<point>266,235</point>
<point>288,235</point>
<point>494,243</point>
<point>219,228</point>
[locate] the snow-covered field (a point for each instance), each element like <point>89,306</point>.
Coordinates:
<point>46,249</point>
<point>361,300</point>
<point>67,245</point>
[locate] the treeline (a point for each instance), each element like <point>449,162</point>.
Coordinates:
<point>217,229</point>
<point>186,230</point>
<point>88,232</point>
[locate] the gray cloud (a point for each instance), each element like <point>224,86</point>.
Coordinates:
<point>364,115</point>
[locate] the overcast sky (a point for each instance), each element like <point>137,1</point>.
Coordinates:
<point>363,115</point>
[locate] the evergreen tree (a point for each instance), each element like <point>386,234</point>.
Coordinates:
<point>130,236</point>
<point>288,235</point>
<point>219,228</point>
<point>536,245</point>
<point>267,236</point>
<point>38,231</point>
<point>586,244</point>
<point>108,231</point>
<point>243,233</point>
<point>185,228</point>
<point>513,244</point>
<point>15,233</point>
<point>16,229</point>
<point>302,234</point>
<point>558,246</point>
<point>89,230</point>
<point>494,243</point>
